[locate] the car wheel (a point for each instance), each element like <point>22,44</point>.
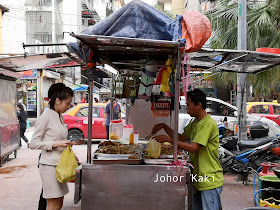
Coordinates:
<point>74,134</point>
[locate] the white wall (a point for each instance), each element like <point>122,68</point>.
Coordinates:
<point>14,26</point>
<point>193,5</point>
<point>71,16</point>
<point>100,8</point>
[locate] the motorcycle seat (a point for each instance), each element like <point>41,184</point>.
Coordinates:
<point>254,143</point>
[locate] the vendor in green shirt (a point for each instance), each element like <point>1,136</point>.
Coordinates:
<point>203,135</point>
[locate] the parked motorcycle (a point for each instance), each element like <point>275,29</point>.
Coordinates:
<point>241,163</point>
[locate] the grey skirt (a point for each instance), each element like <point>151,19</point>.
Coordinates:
<point>52,188</point>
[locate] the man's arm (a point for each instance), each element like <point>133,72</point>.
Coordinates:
<point>104,118</point>
<point>169,131</point>
<point>190,147</point>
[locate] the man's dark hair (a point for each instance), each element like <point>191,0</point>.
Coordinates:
<point>19,105</point>
<point>197,96</point>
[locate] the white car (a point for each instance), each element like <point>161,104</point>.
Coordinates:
<point>219,110</point>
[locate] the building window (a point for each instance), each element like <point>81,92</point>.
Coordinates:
<point>38,27</point>
<point>39,2</point>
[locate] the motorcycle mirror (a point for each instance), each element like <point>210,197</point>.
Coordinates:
<point>235,113</point>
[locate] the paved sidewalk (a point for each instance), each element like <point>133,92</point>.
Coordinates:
<point>21,188</point>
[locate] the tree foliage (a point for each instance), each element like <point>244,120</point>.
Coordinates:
<point>263,30</point>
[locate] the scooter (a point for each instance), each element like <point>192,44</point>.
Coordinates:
<point>258,136</point>
<point>243,162</point>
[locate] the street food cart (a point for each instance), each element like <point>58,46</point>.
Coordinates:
<point>9,125</point>
<point>117,183</point>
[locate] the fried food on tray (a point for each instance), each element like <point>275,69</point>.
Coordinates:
<point>165,150</point>
<point>118,149</point>
<point>114,136</point>
<point>133,157</point>
<point>107,143</point>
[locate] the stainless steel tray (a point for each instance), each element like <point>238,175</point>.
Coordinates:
<point>118,161</point>
<point>101,156</point>
<point>157,161</point>
<point>171,157</point>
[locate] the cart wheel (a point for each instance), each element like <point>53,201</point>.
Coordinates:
<point>15,153</point>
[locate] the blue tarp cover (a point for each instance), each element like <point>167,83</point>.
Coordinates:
<point>135,20</point>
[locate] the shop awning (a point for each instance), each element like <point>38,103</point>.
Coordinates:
<point>81,88</point>
<point>41,61</point>
<point>234,60</point>
<point>10,74</point>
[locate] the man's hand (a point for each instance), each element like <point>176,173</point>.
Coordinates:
<point>103,124</point>
<point>158,127</point>
<point>163,138</point>
<point>62,143</point>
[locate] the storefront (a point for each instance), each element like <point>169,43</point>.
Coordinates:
<point>26,91</point>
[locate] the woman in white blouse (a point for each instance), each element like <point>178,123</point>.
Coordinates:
<point>50,136</point>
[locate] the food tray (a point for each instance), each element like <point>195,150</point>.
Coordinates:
<point>171,157</point>
<point>118,161</point>
<point>101,156</point>
<point>157,161</point>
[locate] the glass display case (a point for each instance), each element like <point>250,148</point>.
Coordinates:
<point>31,100</point>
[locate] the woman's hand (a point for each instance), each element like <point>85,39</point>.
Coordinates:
<point>163,138</point>
<point>62,143</point>
<point>158,127</point>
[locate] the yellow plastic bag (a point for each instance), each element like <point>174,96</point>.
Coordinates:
<point>66,167</point>
<point>164,87</point>
<point>154,149</point>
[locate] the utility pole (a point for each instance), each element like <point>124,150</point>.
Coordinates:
<point>242,77</point>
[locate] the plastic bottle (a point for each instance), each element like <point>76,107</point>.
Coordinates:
<point>131,139</point>
<point>127,130</point>
<point>115,130</point>
<point>136,137</point>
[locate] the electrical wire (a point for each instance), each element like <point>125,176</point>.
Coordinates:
<point>17,8</point>
<point>44,21</point>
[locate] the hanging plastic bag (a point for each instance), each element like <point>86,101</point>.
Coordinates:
<point>165,76</point>
<point>66,167</point>
<point>196,29</point>
<point>27,124</point>
<point>154,149</point>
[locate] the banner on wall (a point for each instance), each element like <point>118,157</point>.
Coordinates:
<point>30,74</point>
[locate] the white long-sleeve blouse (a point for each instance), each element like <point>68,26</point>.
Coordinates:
<point>48,128</point>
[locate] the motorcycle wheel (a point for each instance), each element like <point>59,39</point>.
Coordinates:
<point>268,158</point>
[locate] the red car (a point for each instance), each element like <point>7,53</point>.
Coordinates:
<point>270,110</point>
<point>76,120</point>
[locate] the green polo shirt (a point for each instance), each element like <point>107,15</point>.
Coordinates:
<point>207,172</point>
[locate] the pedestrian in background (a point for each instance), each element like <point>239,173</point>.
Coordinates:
<point>21,102</point>
<point>116,115</point>
<point>96,100</point>
<point>50,135</point>
<point>106,99</point>
<point>22,117</point>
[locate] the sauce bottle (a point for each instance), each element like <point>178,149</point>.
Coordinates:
<point>131,139</point>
